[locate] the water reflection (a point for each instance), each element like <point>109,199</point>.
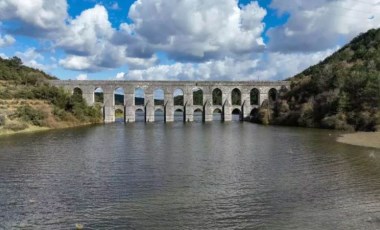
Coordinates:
<point>187,176</point>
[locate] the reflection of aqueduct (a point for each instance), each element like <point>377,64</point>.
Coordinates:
<point>187,97</point>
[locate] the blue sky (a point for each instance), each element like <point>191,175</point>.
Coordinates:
<point>179,40</point>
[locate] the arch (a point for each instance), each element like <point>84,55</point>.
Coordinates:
<point>77,91</point>
<point>178,97</point>
<point>119,115</point>
<point>217,115</point>
<point>217,97</point>
<point>236,97</point>
<point>236,114</point>
<point>197,96</point>
<point>159,96</point>
<point>139,115</point>
<point>119,96</point>
<point>159,116</point>
<point>255,96</point>
<point>139,96</point>
<point>272,95</point>
<point>99,95</point>
<point>179,115</point>
<point>198,115</point>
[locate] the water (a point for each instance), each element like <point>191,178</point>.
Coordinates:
<point>187,176</point>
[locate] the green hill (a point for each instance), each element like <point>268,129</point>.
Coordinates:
<point>342,92</point>
<point>27,101</point>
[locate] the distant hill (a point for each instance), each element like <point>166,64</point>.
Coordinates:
<point>27,101</point>
<point>341,92</point>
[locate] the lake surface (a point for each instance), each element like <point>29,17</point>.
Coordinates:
<point>187,176</point>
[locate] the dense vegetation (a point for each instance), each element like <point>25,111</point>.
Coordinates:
<point>27,99</point>
<point>342,92</point>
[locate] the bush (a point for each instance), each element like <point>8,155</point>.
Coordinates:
<point>29,114</point>
<point>2,120</point>
<point>16,126</point>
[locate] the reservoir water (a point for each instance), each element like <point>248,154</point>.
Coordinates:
<point>187,176</point>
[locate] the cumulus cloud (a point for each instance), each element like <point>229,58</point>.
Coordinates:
<point>82,77</point>
<point>32,58</point>
<point>268,66</point>
<point>36,17</point>
<point>6,40</point>
<point>321,24</point>
<point>120,76</point>
<point>198,30</point>
<point>87,42</point>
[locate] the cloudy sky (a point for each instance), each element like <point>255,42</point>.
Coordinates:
<point>179,39</point>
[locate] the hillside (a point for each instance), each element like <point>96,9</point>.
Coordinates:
<point>342,92</point>
<point>28,102</point>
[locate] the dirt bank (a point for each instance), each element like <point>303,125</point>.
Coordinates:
<point>366,139</point>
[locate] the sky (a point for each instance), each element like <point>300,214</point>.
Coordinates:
<point>179,39</point>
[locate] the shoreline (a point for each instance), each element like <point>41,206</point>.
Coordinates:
<point>364,139</point>
<point>35,129</point>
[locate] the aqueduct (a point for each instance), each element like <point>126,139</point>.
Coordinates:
<point>170,97</point>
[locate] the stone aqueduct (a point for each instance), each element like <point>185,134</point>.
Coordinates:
<point>244,89</point>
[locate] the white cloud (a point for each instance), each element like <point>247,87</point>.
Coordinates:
<point>321,24</point>
<point>198,30</point>
<point>37,17</point>
<point>82,77</point>
<point>6,40</point>
<point>141,63</point>
<point>120,76</point>
<point>274,66</point>
<point>87,42</point>
<point>32,58</point>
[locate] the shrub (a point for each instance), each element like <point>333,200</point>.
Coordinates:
<point>29,114</point>
<point>16,126</point>
<point>2,120</point>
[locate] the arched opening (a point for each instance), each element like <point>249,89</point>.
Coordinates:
<point>197,96</point>
<point>255,96</point>
<point>217,97</point>
<point>236,97</point>
<point>139,96</point>
<point>254,116</point>
<point>158,96</point>
<point>119,115</point>
<point>140,115</point>
<point>198,115</point>
<point>159,116</point>
<point>178,115</point>
<point>236,115</point>
<point>272,95</point>
<point>178,97</point>
<point>78,91</point>
<point>217,115</point>
<point>99,95</point>
<point>119,96</point>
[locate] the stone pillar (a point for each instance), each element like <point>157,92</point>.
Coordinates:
<point>207,108</point>
<point>109,110</point>
<point>246,105</point>
<point>169,107</point>
<point>226,111</point>
<point>263,95</point>
<point>149,107</point>
<point>129,101</point>
<point>189,111</point>
<point>88,95</point>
